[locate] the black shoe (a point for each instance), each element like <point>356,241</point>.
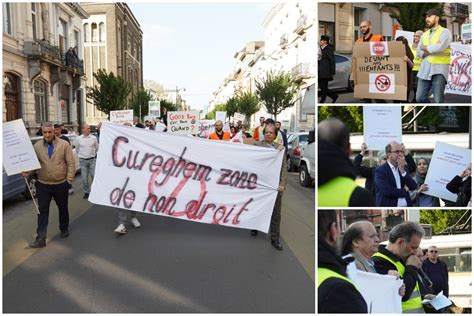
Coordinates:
<point>38,243</point>
<point>277,245</point>
<point>254,232</point>
<point>86,196</point>
<point>335,98</point>
<point>64,233</point>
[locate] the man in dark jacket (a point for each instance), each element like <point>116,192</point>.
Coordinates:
<point>336,174</point>
<point>461,185</point>
<point>437,271</point>
<point>326,69</point>
<point>336,293</point>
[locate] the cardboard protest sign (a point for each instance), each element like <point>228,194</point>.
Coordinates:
<point>183,122</point>
<point>460,80</point>
<point>379,49</point>
<point>382,125</point>
<point>121,117</point>
<point>379,77</point>
<point>154,108</point>
<point>206,128</point>
<point>18,152</point>
<point>239,117</point>
<point>447,162</point>
<point>182,177</point>
<point>406,34</point>
<point>220,116</point>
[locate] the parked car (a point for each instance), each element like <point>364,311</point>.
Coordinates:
<point>307,165</point>
<point>343,72</point>
<point>296,141</point>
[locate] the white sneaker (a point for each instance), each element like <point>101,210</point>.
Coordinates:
<point>121,229</point>
<point>135,222</point>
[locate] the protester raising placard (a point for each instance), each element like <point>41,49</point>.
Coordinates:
<point>183,122</point>
<point>182,177</point>
<point>382,125</point>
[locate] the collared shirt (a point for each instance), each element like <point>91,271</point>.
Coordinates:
<point>427,70</point>
<point>86,147</point>
<point>402,202</point>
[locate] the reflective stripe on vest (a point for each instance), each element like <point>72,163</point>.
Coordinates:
<point>374,38</point>
<point>416,60</point>
<point>336,192</point>
<point>440,57</point>
<point>324,274</point>
<point>413,304</point>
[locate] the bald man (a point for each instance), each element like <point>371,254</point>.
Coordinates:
<point>336,173</point>
<point>86,148</point>
<point>219,134</point>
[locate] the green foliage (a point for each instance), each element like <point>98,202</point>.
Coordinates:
<point>218,108</point>
<point>277,92</point>
<point>166,106</point>
<point>463,114</point>
<point>411,14</point>
<point>110,93</point>
<point>247,104</point>
<point>440,219</point>
<point>140,97</point>
<point>231,106</point>
<point>350,115</point>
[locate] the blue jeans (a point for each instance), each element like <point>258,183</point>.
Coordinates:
<point>87,167</point>
<point>437,84</point>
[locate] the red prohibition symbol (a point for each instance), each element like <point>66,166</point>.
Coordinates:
<point>382,83</point>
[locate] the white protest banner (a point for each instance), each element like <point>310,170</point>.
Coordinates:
<point>183,122</point>
<point>18,152</point>
<point>154,108</point>
<point>406,34</point>
<point>182,177</point>
<point>121,117</point>
<point>460,80</point>
<point>382,83</point>
<point>206,128</point>
<point>447,162</point>
<point>220,116</point>
<point>239,117</point>
<point>382,125</point>
<point>379,49</point>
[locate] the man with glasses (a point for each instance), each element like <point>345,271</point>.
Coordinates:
<point>437,271</point>
<point>392,181</point>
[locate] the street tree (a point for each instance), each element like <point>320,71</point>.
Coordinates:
<point>277,91</point>
<point>441,219</point>
<point>411,14</point>
<point>110,93</point>
<point>231,106</point>
<point>166,106</point>
<point>212,114</point>
<point>139,102</point>
<point>248,104</point>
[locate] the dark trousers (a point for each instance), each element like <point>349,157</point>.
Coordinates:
<point>323,85</point>
<point>45,192</point>
<point>276,219</point>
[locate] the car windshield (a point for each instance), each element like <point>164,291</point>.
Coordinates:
<point>303,139</point>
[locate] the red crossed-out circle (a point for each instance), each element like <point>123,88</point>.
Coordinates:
<point>378,48</point>
<point>382,83</point>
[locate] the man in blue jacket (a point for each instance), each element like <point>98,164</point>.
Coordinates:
<point>392,181</point>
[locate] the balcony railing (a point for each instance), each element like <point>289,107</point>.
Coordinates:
<point>42,49</point>
<point>301,71</point>
<point>72,62</point>
<point>301,25</point>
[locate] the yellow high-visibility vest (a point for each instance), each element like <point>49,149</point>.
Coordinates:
<point>336,192</point>
<point>440,57</point>
<point>416,60</point>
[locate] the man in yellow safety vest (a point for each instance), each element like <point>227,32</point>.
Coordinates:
<point>435,53</point>
<point>400,254</point>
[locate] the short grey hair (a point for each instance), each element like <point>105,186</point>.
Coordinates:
<point>47,124</point>
<point>405,231</point>
<point>388,148</point>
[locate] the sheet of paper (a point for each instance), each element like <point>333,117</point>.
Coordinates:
<point>440,301</point>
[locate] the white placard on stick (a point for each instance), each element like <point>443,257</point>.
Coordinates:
<point>447,162</point>
<point>382,125</point>
<point>239,117</point>
<point>220,116</point>
<point>182,177</point>
<point>406,34</point>
<point>154,108</point>
<point>121,117</point>
<point>18,152</point>
<point>183,122</point>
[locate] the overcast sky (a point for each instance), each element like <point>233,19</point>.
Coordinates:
<point>192,45</point>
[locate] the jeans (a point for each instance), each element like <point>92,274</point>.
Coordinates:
<point>45,192</point>
<point>87,167</point>
<point>437,84</point>
<point>123,215</point>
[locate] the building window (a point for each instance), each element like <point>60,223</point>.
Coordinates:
<point>33,20</point>
<point>86,32</point>
<point>359,16</point>
<point>327,28</point>
<point>102,32</point>
<point>7,22</point>
<point>62,36</point>
<point>41,106</point>
<point>94,32</point>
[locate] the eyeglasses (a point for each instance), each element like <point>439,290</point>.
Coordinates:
<point>434,251</point>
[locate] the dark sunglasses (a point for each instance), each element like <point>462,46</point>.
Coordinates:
<point>434,251</point>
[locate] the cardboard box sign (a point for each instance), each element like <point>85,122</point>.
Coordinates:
<point>379,77</point>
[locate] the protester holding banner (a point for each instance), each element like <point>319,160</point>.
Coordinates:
<point>326,69</point>
<point>416,61</point>
<point>336,174</point>
<point>336,292</point>
<point>435,51</point>
<point>461,185</point>
<point>423,199</point>
<point>258,131</point>
<point>400,254</point>
<point>269,142</point>
<point>233,131</point>
<point>219,134</point>
<point>57,171</point>
<point>408,58</point>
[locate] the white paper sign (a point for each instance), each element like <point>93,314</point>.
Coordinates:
<point>381,83</point>
<point>382,125</point>
<point>440,301</point>
<point>447,162</point>
<point>406,34</point>
<point>379,49</point>
<point>460,69</point>
<point>18,152</point>
<point>220,116</point>
<point>239,117</point>
<point>159,127</point>
<point>121,117</point>
<point>182,177</point>
<point>183,122</point>
<point>154,108</point>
